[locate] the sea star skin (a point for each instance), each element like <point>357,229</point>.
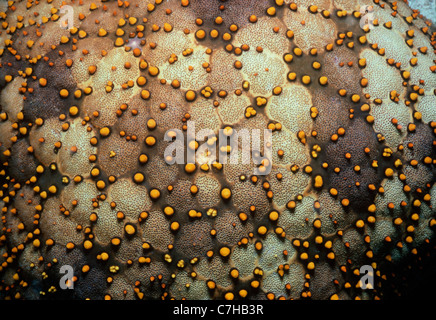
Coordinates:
<point>84,113</point>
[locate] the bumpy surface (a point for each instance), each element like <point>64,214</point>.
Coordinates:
<point>84,181</point>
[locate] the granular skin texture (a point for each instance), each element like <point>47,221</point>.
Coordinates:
<point>84,181</point>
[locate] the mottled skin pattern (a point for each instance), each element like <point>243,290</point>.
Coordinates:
<point>84,182</point>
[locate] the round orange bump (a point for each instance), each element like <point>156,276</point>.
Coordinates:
<point>141,81</point>
<point>229,296</point>
<point>292,76</point>
<point>317,223</point>
<point>92,69</point>
<point>87,245</point>
<point>194,189</point>
<point>36,243</point>
<point>224,251</point>
<point>316,65</point>
<point>190,167</point>
<point>200,34</point>
<point>298,51</point>
<point>153,71</point>
<point>255,284</point>
<point>190,95</point>
<point>116,241</point>
<point>288,57</point>
<point>143,158</point>
<point>101,184</point>
<point>277,91</point>
<point>151,124</point>
<point>74,111</point>
<point>306,79</point>
<point>313,9</point>
<point>138,177</point>
<point>262,230</point>
<point>174,226</point>
<point>318,182</point>
<point>389,172</point>
<point>95,172</point>
<point>64,93</point>
<point>86,268</point>
<point>42,82</point>
<point>271,11</point>
<point>104,132</point>
<point>168,211</point>
<point>345,202</point>
<point>355,98</point>
<point>154,194</point>
<point>211,284</point>
<point>150,141</point>
<point>119,42</point>
<point>226,193</point>
<point>52,189</point>
<point>360,223</point>
<point>70,246</point>
<point>273,215</point>
<point>234,273</point>
<point>214,33</point>
<point>323,80</point>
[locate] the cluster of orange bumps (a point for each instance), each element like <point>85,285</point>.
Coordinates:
<point>84,113</point>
